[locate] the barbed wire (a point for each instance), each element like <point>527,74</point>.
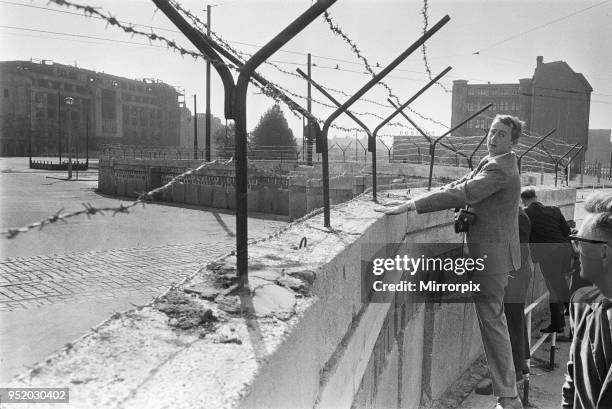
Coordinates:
<point>335,28</point>
<point>272,90</point>
<point>202,26</point>
<point>128,28</point>
<point>424,46</point>
<point>91,210</point>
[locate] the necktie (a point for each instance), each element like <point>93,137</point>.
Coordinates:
<point>480,166</point>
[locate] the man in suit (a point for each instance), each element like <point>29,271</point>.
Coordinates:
<point>492,193</point>
<point>551,248</point>
<point>588,380</point>
<point>514,308</point>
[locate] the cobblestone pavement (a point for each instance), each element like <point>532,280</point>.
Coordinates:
<point>30,282</point>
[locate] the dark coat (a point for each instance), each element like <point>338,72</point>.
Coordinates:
<point>548,226</point>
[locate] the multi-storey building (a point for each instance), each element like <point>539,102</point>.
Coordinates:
<point>555,97</point>
<point>600,147</point>
<point>105,108</point>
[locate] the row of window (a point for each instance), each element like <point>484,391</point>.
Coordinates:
<point>139,98</point>
<point>503,106</point>
<point>479,123</point>
<point>130,86</point>
<point>78,88</point>
<point>140,116</point>
<point>51,114</point>
<point>66,87</point>
<point>492,91</point>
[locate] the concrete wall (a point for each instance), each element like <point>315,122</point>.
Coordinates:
<point>301,337</point>
<point>210,187</point>
<point>270,191</point>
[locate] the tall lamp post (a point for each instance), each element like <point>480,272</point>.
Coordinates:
<point>69,101</point>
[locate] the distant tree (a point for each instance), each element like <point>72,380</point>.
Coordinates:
<point>272,138</point>
<point>224,141</point>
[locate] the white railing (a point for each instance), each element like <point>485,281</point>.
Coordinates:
<point>553,342</point>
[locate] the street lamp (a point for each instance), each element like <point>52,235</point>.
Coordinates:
<point>69,101</point>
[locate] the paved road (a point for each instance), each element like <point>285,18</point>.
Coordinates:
<point>29,282</point>
<point>58,282</point>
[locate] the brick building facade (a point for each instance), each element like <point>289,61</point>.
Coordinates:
<point>106,108</point>
<point>555,97</point>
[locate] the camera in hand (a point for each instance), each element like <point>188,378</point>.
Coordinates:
<point>463,220</point>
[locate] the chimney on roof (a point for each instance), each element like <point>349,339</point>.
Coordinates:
<point>540,61</point>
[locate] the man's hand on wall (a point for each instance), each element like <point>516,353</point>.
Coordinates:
<point>392,208</point>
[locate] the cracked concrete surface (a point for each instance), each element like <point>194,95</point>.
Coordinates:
<point>202,343</point>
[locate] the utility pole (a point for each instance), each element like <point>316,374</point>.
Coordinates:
<point>309,109</point>
<point>87,140</point>
<point>69,102</point>
<point>208,118</point>
<point>195,127</point>
<point>29,119</point>
<point>356,140</point>
<point>59,127</point>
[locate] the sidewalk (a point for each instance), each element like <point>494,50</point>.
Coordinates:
<point>545,384</point>
<point>58,282</point>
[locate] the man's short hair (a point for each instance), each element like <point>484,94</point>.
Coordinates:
<point>600,204</point>
<point>528,193</point>
<point>513,122</point>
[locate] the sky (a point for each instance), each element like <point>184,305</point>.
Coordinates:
<point>485,41</point>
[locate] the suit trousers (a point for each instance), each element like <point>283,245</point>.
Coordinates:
<point>489,304</point>
<point>555,266</point>
<point>514,309</point>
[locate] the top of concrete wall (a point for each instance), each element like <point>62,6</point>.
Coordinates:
<point>204,344</point>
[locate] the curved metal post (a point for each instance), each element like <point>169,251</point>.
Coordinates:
<point>239,110</point>
<point>554,162</point>
<point>450,148</point>
<point>404,105</point>
<point>574,156</point>
<point>470,163</point>
<point>358,95</point>
<point>388,149</point>
<point>235,101</point>
<point>353,117</point>
<point>432,148</point>
<point>520,159</point>
<point>204,44</point>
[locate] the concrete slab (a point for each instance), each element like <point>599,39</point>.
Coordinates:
<point>29,336</point>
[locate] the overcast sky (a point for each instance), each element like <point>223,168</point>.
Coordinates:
<point>508,35</point>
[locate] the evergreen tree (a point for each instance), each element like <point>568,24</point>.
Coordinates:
<point>223,138</point>
<point>272,138</point>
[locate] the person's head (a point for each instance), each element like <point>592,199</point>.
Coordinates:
<point>595,242</point>
<point>528,196</point>
<point>504,132</point>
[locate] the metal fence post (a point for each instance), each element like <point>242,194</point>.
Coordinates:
<point>235,101</point>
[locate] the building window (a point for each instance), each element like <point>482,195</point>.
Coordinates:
<point>6,93</point>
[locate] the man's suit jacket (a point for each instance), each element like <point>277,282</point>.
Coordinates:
<point>549,230</point>
<point>524,233</point>
<point>493,192</point>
